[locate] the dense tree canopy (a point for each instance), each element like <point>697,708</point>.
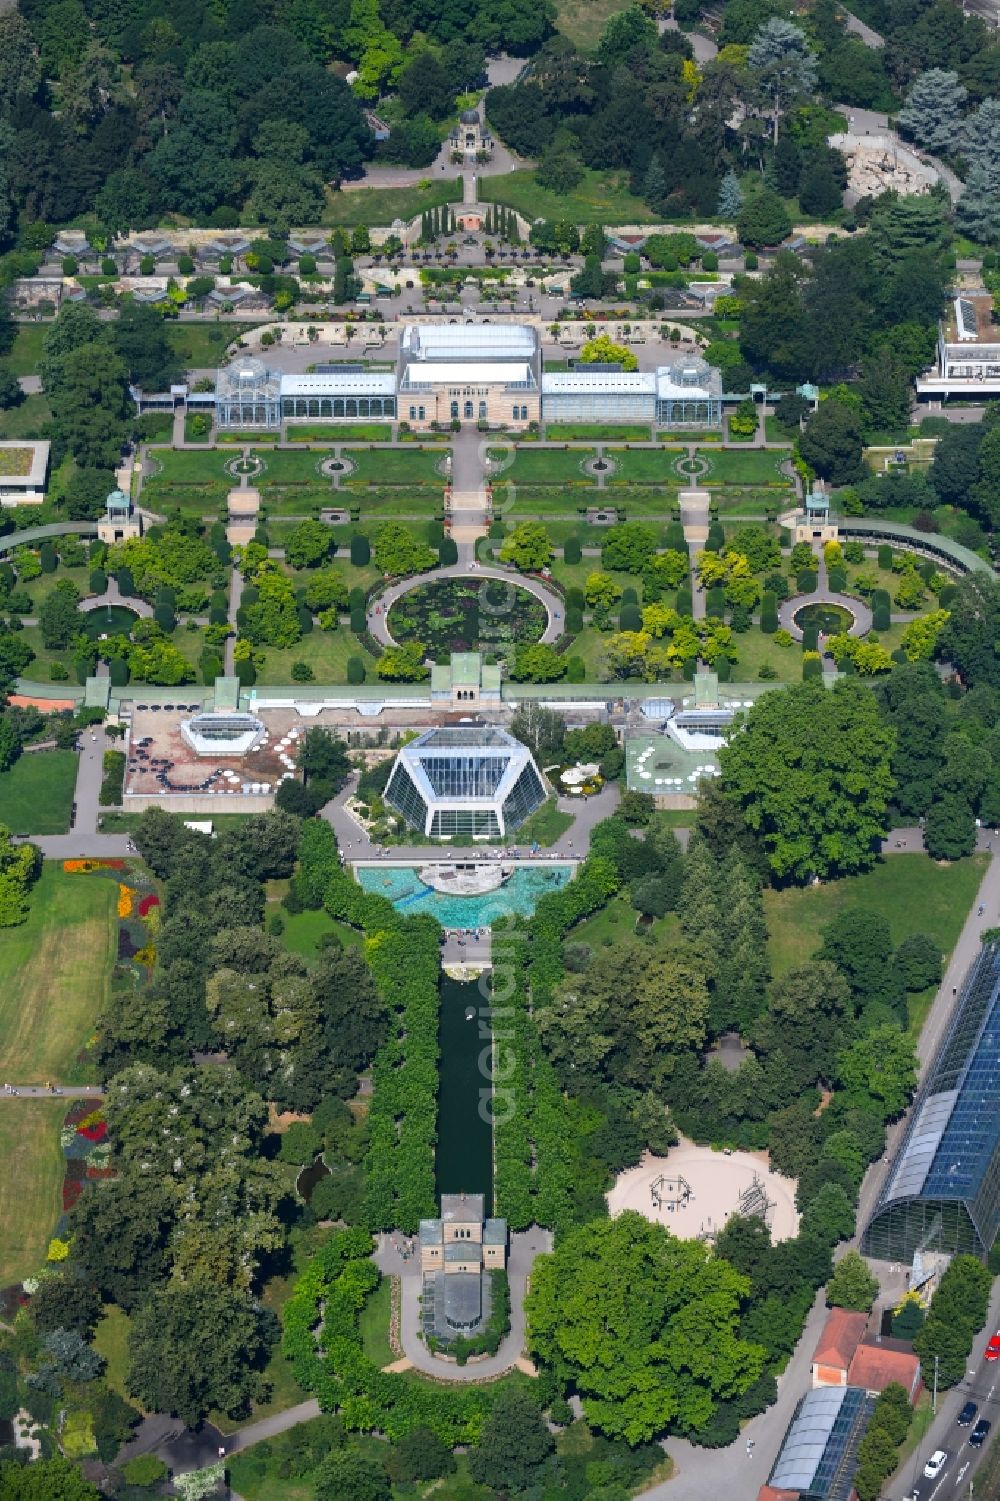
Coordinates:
<point>644,1325</point>
<point>812,774</point>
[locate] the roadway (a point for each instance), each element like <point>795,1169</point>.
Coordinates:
<point>981,1385</point>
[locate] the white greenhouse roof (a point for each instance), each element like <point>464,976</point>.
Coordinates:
<point>807,1437</point>
<point>667,388</point>
<point>364,382</point>
<point>558,382</point>
<point>425,341</point>
<point>465,373</point>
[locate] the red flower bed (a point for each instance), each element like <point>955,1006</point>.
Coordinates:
<point>71,1192</point>
<point>97,1132</point>
<point>147,903</point>
<point>76,1169</point>
<point>101,1172</point>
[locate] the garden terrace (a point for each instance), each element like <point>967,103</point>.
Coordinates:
<point>163,765</point>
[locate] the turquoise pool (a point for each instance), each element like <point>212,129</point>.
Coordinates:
<point>404,888</point>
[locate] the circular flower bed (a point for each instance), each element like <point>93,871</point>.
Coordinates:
<point>457,614</point>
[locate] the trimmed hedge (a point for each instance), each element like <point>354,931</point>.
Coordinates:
<point>332,1292</point>
<point>533,1138</point>
<point>402,954</point>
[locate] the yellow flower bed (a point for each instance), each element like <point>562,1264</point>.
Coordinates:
<point>126,900</point>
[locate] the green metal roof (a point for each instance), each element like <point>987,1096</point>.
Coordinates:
<point>934,542</point>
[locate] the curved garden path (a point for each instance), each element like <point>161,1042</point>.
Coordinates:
<point>112,597</point>
<point>553,604</point>
<point>789,608</point>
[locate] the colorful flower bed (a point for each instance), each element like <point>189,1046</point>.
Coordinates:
<point>126,900</point>
<point>86,1150</point>
<point>147,904</point>
<point>86,867</point>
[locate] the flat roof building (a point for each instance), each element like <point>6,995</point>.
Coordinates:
<point>942,1192</point>
<point>23,467</point>
<point>465,782</point>
<point>968,350</point>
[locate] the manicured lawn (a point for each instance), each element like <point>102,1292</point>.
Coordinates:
<point>202,345</point>
<point>188,480</point>
<point>27,351</point>
<point>396,503</point>
<point>25,420</point>
<point>374,432</point>
<point>326,652</point>
<point>111,1341</point>
<point>644,466</point>
<point>31,1174</point>
<point>599,198</point>
<point>913,894</point>
<point>616,922</point>
<point>303,930</point>
<point>546,825</point>
<point>54,973</point>
<point>592,431</point>
<point>374,1324</point>
<point>36,795</point>
<point>396,466</point>
<point>584,20</point>
<point>546,466</point>
<point>730,467</point>
<point>382,205</point>
<point>284,468</point>
<point>755,650</point>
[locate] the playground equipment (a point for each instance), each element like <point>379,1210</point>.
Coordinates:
<point>754,1201</point>
<point>670,1193</point>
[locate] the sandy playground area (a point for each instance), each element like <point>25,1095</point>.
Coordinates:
<point>694,1190</point>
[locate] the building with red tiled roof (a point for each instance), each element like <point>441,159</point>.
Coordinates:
<point>874,1367</point>
<point>768,1493</point>
<point>842,1334</point>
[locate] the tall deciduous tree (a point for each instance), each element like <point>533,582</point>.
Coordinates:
<point>645,1326</point>
<point>811,772</point>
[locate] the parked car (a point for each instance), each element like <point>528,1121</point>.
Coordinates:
<point>978,1435</point>
<point>967,1414</point>
<point>993,1348</point>
<point>935,1464</point>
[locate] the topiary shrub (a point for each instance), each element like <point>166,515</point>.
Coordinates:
<point>715,602</point>
<point>355,671</point>
<point>629,595</point>
<point>361,552</point>
<point>723,669</point>
<point>805,581</point>
<point>837,579</point>
<point>812,666</point>
<point>768,613</point>
<point>98,581</point>
<point>572,551</point>
<point>118,672</point>
<point>574,622</point>
<point>447,552</point>
<point>685,601</point>
<point>810,637</point>
<point>302,673</point>
<point>630,618</point>
<point>885,557</point>
<point>147,266</point>
<point>576,670</point>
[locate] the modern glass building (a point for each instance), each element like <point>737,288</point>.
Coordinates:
<point>943,1188</point>
<point>469,783</point>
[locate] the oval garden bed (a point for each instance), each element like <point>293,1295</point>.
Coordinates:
<point>459,614</point>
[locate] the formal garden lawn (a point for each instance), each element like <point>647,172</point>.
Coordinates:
<point>459,614</point>
<point>645,466</point>
<point>397,503</point>
<point>675,435</point>
<point>326,652</point>
<point>54,975</point>
<point>31,1174</point>
<point>383,205</point>
<point>36,794</point>
<point>396,466</point>
<point>544,466</point>
<point>598,198</point>
<point>758,466</point>
<point>913,894</point>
